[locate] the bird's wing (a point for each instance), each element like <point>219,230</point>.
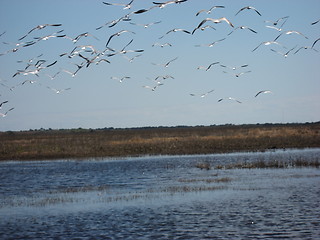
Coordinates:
<point>315,42</point>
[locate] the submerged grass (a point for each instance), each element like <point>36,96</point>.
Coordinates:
<point>82,143</point>
<point>272,164</point>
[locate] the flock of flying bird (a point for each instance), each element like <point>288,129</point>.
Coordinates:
<point>88,55</point>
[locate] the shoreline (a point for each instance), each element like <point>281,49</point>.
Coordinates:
<point>135,142</point>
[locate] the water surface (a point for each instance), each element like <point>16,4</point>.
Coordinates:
<point>162,197</point>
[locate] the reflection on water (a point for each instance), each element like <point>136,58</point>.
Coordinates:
<point>160,198</point>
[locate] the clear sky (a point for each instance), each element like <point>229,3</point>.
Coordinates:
<point>96,99</point>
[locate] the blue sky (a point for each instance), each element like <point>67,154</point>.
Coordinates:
<point>95,100</point>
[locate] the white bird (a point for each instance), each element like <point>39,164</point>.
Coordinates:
<point>242,27</point>
<point>123,51</point>
<point>263,91</point>
<point>290,32</point>
<point>18,46</point>
<point>38,28</point>
<point>235,67</point>
<point>266,44</point>
<point>202,95</point>
<point>164,4</point>
<point>73,74</point>
<point>207,68</point>
<point>166,64</point>
<point>5,114</point>
<point>284,54</point>
<point>44,38</point>
<point>120,79</point>
<point>210,44</point>
<point>83,48</point>
<point>25,73</point>
<point>145,25</point>
<point>248,8</point>
<point>117,34</point>
<point>237,74</point>
<point>154,87</point>
<point>164,77</point>
<point>273,27</point>
<point>229,98</point>
<point>162,44</point>
<point>28,81</point>
<point>175,30</point>
<point>58,91</point>
<point>209,11</point>
<point>202,28</point>
<point>125,6</point>
<point>305,47</point>
<point>130,59</point>
<point>219,20</point>
<point>115,22</point>
<point>275,23</point>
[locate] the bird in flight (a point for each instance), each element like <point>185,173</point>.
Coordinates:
<point>305,47</point>
<point>117,34</point>
<point>38,28</point>
<point>120,79</point>
<point>210,10</point>
<point>154,87</point>
<point>162,44</point>
<point>175,30</point>
<point>284,54</point>
<point>238,74</point>
<point>263,91</point>
<point>218,20</point>
<point>210,44</point>
<point>123,51</point>
<point>166,64</point>
<point>266,44</point>
<point>290,32</point>
<point>164,4</point>
<point>248,8</point>
<point>145,25</point>
<point>203,28</point>
<point>58,91</point>
<point>125,6</point>
<point>242,27</point>
<point>275,23</point>
<point>229,98</point>
<point>5,114</point>
<point>203,94</point>
<point>207,68</point>
<point>235,67</point>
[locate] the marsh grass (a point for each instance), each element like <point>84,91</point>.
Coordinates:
<point>206,180</point>
<point>272,164</point>
<point>203,165</point>
<point>82,143</point>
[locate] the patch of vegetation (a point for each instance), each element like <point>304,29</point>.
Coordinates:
<point>272,164</point>
<point>182,140</point>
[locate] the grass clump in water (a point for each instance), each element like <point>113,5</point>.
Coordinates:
<point>272,164</point>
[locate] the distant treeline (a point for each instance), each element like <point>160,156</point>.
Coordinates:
<point>168,127</point>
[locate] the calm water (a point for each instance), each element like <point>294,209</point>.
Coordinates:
<point>164,197</point>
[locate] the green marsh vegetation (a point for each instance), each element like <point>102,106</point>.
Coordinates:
<point>88,143</point>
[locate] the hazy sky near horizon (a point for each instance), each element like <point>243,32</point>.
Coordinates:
<point>97,100</point>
